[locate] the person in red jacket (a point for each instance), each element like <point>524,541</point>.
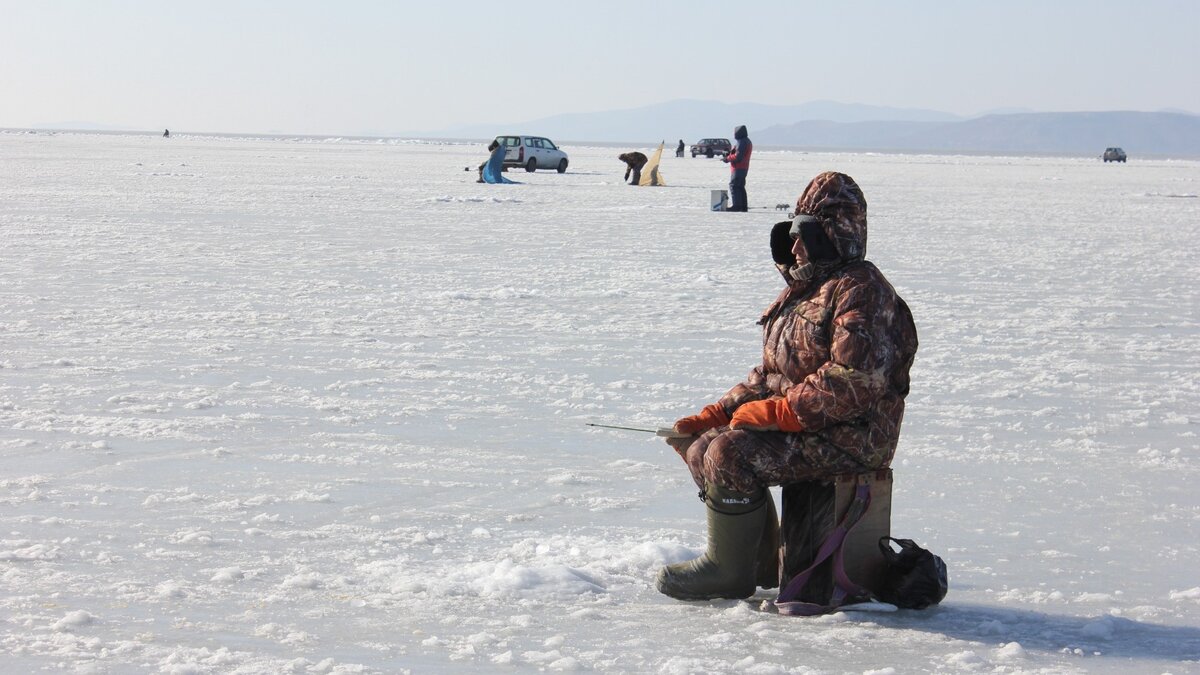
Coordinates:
<point>827,398</point>
<point>739,166</point>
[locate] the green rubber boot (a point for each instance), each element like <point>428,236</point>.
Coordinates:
<point>768,547</point>
<point>729,568</point>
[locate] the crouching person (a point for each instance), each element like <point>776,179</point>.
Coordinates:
<point>491,148</point>
<point>634,161</point>
<point>827,398</point>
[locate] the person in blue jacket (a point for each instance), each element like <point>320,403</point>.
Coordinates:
<point>739,166</point>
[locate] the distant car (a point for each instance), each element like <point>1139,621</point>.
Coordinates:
<point>533,153</point>
<point>711,147</point>
<point>1114,155</point>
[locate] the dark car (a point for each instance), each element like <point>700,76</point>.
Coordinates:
<point>711,147</point>
<point>1114,155</point>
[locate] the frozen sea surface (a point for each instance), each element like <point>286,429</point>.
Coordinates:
<point>275,406</point>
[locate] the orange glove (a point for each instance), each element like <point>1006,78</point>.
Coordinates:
<point>711,417</point>
<point>773,414</point>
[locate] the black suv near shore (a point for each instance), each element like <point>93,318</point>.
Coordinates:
<point>711,147</point>
<point>1114,155</point>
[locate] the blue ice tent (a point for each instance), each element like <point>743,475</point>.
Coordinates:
<point>493,170</point>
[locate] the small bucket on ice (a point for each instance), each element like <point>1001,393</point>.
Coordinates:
<point>719,200</point>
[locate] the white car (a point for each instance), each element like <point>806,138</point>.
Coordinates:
<point>533,153</point>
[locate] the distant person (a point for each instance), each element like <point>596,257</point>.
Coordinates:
<point>491,148</point>
<point>679,149</point>
<point>634,161</point>
<point>739,166</point>
<point>166,133</point>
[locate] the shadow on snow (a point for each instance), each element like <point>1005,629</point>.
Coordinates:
<point>1111,636</point>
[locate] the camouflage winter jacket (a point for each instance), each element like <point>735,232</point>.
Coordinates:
<point>839,345</point>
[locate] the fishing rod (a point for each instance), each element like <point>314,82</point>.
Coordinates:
<point>665,432</point>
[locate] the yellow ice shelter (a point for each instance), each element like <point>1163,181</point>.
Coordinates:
<point>650,172</point>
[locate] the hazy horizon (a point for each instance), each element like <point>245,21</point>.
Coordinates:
<point>99,127</point>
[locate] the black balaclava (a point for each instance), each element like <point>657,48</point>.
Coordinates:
<point>817,246</point>
<point>817,243</point>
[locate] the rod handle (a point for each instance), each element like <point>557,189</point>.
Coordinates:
<point>668,432</point>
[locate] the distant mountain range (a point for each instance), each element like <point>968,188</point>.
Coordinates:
<point>1074,133</point>
<point>688,119</point>
<point>828,125</point>
<point>831,125</point>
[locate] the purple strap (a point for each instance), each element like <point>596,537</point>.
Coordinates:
<point>786,603</point>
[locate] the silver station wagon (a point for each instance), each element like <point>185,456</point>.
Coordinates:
<point>533,153</point>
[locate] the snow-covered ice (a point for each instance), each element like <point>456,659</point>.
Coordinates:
<point>269,405</point>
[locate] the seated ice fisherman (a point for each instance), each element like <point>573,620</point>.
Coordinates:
<point>827,398</point>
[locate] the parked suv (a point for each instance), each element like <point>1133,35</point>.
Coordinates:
<point>533,153</point>
<point>710,147</point>
<point>1114,155</point>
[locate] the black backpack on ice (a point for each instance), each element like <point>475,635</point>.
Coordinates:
<point>915,578</point>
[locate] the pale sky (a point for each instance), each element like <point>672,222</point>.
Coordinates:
<point>352,67</point>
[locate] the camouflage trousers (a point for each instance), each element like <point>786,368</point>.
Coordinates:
<point>748,460</point>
